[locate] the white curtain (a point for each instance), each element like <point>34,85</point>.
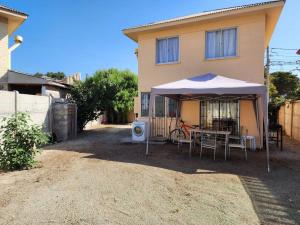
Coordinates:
<point>162,51</point>
<point>229,42</point>
<point>173,49</point>
<point>167,50</point>
<point>213,44</point>
<point>145,97</point>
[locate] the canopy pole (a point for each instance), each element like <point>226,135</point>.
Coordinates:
<point>149,121</point>
<point>267,146</point>
<point>266,126</point>
<point>261,141</point>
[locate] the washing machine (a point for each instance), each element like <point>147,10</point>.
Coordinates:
<point>139,131</point>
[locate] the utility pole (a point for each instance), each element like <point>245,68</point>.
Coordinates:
<point>268,70</point>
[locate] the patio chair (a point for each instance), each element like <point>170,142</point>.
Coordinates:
<point>241,144</point>
<point>183,140</point>
<point>208,141</point>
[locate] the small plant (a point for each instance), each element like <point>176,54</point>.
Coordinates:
<point>20,142</point>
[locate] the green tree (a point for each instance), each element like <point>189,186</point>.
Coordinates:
<point>283,86</point>
<point>286,84</point>
<point>121,92</point>
<point>109,90</point>
<point>53,75</point>
<point>90,97</point>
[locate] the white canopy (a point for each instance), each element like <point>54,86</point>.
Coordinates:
<point>212,84</point>
<point>209,84</point>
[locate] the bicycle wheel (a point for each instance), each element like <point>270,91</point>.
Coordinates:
<point>175,134</point>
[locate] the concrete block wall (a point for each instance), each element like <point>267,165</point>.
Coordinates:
<point>289,118</point>
<point>64,120</point>
<point>59,118</point>
<point>38,107</point>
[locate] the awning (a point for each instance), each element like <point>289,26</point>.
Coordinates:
<point>209,84</point>
<point>213,85</point>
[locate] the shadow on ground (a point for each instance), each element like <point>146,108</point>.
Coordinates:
<point>275,196</point>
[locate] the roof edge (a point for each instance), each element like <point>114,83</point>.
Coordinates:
<point>200,17</point>
<point>13,11</point>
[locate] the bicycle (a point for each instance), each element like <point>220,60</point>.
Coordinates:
<point>181,131</point>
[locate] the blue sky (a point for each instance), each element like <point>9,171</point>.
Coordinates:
<point>83,36</point>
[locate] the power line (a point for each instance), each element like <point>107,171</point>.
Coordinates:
<point>286,49</point>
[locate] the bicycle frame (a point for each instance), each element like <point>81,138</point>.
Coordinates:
<point>185,128</point>
<point>182,126</point>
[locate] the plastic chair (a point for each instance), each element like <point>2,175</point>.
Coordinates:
<point>208,141</point>
<point>241,145</point>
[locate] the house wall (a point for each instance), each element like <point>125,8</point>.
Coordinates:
<point>4,53</point>
<point>55,117</point>
<point>248,65</point>
<point>55,92</point>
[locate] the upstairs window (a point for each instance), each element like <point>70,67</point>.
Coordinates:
<point>221,44</point>
<point>167,50</point>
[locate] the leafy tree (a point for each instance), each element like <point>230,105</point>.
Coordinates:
<point>122,90</point>
<point>54,75</point>
<point>283,86</point>
<point>109,90</point>
<point>20,142</point>
<point>90,97</point>
<point>286,84</point>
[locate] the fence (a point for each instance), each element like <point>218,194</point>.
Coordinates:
<point>43,110</point>
<point>289,118</point>
<point>38,107</point>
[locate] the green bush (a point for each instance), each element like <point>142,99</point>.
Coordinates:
<point>20,142</point>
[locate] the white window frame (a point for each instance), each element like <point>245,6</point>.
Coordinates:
<point>166,38</point>
<point>236,44</point>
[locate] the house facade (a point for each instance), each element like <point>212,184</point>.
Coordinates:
<point>230,42</point>
<point>10,20</point>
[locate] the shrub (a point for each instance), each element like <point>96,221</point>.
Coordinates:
<point>20,142</point>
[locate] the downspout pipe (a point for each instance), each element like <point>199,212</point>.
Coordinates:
<point>18,42</point>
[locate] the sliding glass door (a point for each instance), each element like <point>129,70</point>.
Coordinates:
<point>220,115</point>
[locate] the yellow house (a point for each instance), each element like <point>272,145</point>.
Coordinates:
<point>10,20</point>
<point>230,42</point>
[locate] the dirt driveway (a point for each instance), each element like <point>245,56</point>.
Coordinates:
<point>97,180</point>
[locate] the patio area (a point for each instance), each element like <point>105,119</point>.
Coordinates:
<point>220,99</point>
<point>95,179</point>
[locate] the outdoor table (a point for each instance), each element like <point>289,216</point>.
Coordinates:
<point>220,132</point>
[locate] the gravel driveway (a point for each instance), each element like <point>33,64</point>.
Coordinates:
<point>97,180</point>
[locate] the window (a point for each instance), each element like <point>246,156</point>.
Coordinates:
<point>159,106</point>
<point>167,50</point>
<point>221,43</point>
<point>145,98</point>
<point>220,115</point>
<point>172,107</point>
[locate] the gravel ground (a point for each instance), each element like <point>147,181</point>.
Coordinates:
<point>97,180</point>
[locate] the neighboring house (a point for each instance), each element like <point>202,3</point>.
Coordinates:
<point>28,84</point>
<point>230,42</point>
<point>10,80</point>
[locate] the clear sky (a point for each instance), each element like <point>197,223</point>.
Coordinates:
<point>86,35</point>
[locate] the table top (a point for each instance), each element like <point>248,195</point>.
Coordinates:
<point>210,131</point>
